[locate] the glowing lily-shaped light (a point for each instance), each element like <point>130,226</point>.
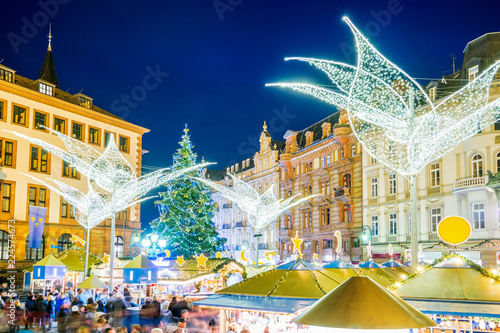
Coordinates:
<point>110,176</point>
<point>261,209</point>
<point>391,114</point>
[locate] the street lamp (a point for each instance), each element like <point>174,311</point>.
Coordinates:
<point>153,244</point>
<point>366,237</point>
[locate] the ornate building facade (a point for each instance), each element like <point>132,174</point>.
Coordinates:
<point>25,106</point>
<point>323,159</point>
<point>453,185</point>
<point>261,171</point>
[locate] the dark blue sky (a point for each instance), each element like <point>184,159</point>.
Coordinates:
<point>218,56</point>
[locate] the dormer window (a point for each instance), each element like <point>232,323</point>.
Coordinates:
<point>6,75</point>
<point>46,89</point>
<point>473,72</point>
<point>85,102</point>
<point>432,94</point>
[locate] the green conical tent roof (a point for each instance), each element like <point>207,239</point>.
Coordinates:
<point>92,282</point>
<point>361,303</point>
<point>141,261</point>
<point>297,279</point>
<point>50,260</point>
<point>451,280</point>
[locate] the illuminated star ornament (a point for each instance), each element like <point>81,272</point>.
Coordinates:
<point>105,259</point>
<point>76,239</point>
<point>202,260</point>
<point>180,261</point>
<point>296,243</point>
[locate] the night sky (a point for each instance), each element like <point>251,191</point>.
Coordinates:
<point>213,58</point>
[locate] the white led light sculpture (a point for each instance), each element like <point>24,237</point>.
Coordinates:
<point>394,119</point>
<point>110,177</point>
<point>261,209</point>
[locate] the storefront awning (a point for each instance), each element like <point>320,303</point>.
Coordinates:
<point>473,309</point>
<point>256,303</point>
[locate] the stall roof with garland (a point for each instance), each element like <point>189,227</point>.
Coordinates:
<point>452,278</point>
<point>141,261</point>
<point>190,269</point>
<point>49,260</point>
<point>74,259</point>
<point>297,279</point>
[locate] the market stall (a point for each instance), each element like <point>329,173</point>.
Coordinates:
<point>74,260</point>
<point>92,283</point>
<point>382,275</point>
<point>271,298</point>
<point>140,272</point>
<point>46,272</point>
<point>460,295</point>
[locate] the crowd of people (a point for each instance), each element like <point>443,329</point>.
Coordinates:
<point>106,313</point>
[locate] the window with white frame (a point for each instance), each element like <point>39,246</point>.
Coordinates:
<point>435,175</point>
<point>473,72</point>
<point>353,150</point>
<point>393,224</point>
<point>323,161</point>
<point>374,188</point>
<point>435,218</point>
<point>392,183</point>
<point>375,225</point>
<point>328,160</point>
<point>46,89</point>
<point>477,165</point>
<point>478,215</point>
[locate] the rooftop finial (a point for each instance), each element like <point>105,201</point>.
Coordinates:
<point>50,37</point>
<point>265,126</point>
<point>186,129</point>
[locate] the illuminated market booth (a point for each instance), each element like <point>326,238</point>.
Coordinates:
<point>73,259</point>
<point>273,297</point>
<point>46,273</point>
<point>460,295</point>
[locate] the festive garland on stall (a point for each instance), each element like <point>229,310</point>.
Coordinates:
<point>79,251</point>
<point>470,263</point>
<point>473,247</point>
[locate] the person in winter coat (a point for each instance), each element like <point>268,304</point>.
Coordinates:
<point>40,307</point>
<point>62,317</point>
<point>75,320</point>
<point>51,306</point>
<point>100,306</point>
<point>119,309</point>
<point>29,311</point>
<point>17,314</point>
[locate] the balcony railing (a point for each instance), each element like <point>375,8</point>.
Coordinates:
<point>342,191</point>
<point>470,182</point>
<point>434,190</point>
<point>307,231</point>
<point>227,205</point>
<point>226,226</point>
<point>263,246</point>
<point>324,228</point>
<point>287,232</point>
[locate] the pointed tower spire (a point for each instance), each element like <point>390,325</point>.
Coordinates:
<point>48,71</point>
<point>50,37</point>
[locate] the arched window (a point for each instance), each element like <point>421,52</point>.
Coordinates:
<point>347,180</point>
<point>119,247</point>
<point>64,242</point>
<point>30,253</point>
<point>477,165</point>
<point>498,161</point>
<point>4,245</point>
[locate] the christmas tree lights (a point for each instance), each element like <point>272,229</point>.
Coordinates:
<point>186,208</point>
<point>112,182</point>
<point>394,119</point>
<point>261,209</point>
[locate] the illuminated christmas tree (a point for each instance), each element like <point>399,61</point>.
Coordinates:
<point>186,209</point>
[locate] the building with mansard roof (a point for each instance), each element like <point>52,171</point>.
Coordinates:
<point>455,184</point>
<point>26,105</point>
